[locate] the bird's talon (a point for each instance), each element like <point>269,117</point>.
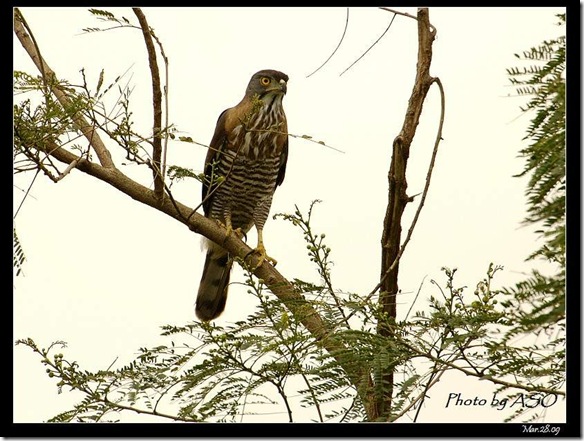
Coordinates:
<point>273,261</point>
<point>229,230</point>
<point>262,257</point>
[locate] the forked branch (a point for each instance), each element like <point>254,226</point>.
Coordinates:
<point>50,79</point>
<point>391,251</point>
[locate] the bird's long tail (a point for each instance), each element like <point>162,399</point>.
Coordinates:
<point>212,293</point>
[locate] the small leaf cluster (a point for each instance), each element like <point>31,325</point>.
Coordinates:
<point>42,121</point>
<point>18,256</point>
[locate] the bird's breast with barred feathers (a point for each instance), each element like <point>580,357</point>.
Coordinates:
<point>251,165</point>
<point>262,133</point>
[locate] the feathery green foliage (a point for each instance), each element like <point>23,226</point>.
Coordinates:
<point>545,164</point>
<point>537,305</point>
<point>545,155</point>
<point>268,365</point>
<point>42,120</point>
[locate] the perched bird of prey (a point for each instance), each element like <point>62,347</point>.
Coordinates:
<point>245,163</point>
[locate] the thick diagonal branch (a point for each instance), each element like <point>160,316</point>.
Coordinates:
<point>50,79</point>
<point>208,228</point>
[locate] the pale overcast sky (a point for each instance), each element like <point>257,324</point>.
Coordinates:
<point>103,272</point>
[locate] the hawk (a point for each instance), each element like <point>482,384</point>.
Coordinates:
<point>245,163</point>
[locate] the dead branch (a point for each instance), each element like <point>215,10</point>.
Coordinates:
<point>391,250</point>
<point>424,192</point>
<point>157,104</point>
<point>405,14</point>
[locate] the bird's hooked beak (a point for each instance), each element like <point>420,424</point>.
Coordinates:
<point>280,88</point>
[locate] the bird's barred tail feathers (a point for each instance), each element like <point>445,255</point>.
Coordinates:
<point>212,293</point>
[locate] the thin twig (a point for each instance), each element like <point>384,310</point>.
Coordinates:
<point>430,384</point>
<point>305,137</point>
<point>67,170</point>
<point>166,112</point>
<point>415,298</point>
<point>309,138</point>
<point>405,14</point>
<point>174,203</point>
<point>119,406</point>
<point>312,239</point>
<point>27,191</point>
<point>337,48</point>
<point>370,47</point>
<point>484,376</point>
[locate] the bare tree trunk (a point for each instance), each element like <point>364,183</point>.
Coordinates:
<point>391,250</point>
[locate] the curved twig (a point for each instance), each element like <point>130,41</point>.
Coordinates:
<point>422,200</point>
<point>336,49</point>
<point>370,47</point>
<point>424,193</point>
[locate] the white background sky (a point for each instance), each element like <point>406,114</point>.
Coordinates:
<point>103,272</point>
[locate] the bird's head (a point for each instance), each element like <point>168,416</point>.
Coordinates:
<point>266,83</point>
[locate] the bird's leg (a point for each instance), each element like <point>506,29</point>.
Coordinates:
<point>261,251</point>
<point>229,227</point>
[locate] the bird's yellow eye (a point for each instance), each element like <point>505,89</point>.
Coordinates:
<point>264,81</point>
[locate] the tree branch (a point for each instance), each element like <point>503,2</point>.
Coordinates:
<point>198,223</point>
<point>157,104</point>
<point>405,14</point>
<point>479,375</point>
<point>50,78</point>
<point>424,193</point>
<point>398,198</point>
